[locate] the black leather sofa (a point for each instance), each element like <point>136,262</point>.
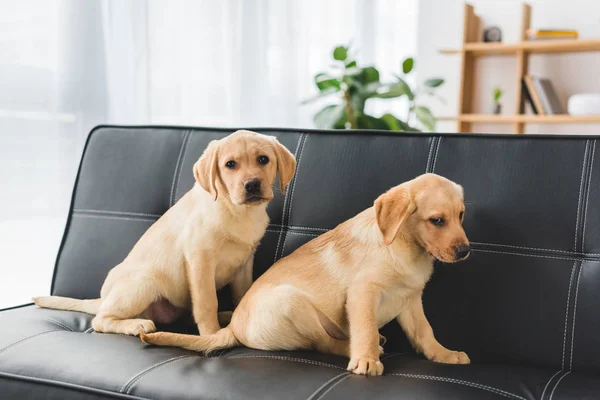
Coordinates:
<point>525,306</point>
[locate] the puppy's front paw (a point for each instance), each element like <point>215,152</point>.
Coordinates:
<point>365,366</point>
<point>139,326</point>
<point>446,356</point>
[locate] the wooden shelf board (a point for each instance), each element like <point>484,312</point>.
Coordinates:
<point>533,119</point>
<point>530,46</point>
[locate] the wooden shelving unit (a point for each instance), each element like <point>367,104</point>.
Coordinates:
<point>473,48</point>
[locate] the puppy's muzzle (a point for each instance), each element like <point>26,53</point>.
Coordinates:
<point>462,251</point>
<point>253,190</point>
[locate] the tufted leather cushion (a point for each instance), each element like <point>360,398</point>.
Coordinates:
<point>522,306</point>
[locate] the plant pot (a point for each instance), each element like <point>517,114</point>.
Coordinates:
<point>497,108</point>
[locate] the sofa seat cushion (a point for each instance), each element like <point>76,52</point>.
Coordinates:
<point>55,354</point>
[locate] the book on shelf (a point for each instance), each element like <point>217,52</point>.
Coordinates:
<point>542,96</point>
<point>534,34</point>
<point>532,96</point>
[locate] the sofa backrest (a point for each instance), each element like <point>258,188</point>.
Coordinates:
<point>528,294</point>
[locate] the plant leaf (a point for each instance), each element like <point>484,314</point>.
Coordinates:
<point>397,125</point>
<point>370,74</point>
<point>324,93</point>
<point>340,53</point>
<point>365,121</point>
<point>425,117</point>
<point>433,82</point>
<point>407,65</point>
<point>370,89</point>
<point>329,116</point>
<point>325,81</point>
<point>398,89</point>
<point>351,64</point>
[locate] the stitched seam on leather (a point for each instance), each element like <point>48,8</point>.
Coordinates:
<point>67,385</point>
<point>187,142</point>
<point>55,322</point>
<point>285,200</point>
<point>10,346</point>
<point>461,382</point>
<point>525,255</point>
<point>391,355</point>
<point>574,316</point>
<point>557,383</point>
<point>327,386</point>
<point>116,213</point>
<point>547,383</point>
<point>431,145</point>
<point>308,228</point>
<point>562,364</point>
<point>436,154</point>
<point>112,217</point>
<point>587,142</point>
<point>532,248</point>
<point>127,386</point>
<point>89,330</point>
<point>587,197</point>
<point>292,195</point>
<point>298,360</point>
<point>185,136</point>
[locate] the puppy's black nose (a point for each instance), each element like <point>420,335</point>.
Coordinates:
<point>252,186</point>
<point>462,251</point>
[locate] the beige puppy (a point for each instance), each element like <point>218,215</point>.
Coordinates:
<point>336,291</point>
<point>204,242</point>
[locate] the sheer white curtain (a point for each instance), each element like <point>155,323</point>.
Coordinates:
<point>67,65</point>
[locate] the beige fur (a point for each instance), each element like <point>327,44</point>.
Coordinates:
<point>204,242</point>
<point>336,291</point>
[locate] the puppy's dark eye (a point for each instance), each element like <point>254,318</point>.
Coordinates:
<point>437,221</point>
<point>263,160</point>
<point>230,164</point>
<point>461,215</point>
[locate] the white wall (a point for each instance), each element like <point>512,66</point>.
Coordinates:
<point>440,26</point>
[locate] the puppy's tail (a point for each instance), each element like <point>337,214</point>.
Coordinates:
<point>223,339</point>
<point>68,304</point>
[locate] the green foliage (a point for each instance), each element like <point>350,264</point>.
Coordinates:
<point>355,84</point>
<point>497,94</point>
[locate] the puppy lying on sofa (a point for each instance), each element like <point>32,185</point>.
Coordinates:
<point>204,242</point>
<point>335,292</point>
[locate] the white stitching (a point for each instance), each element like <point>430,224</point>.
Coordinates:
<point>296,178</point>
<point>555,386</point>
<point>547,383</point>
<point>55,322</point>
<point>89,330</point>
<point>436,154</point>
<point>127,386</point>
<point>562,364</point>
<point>430,151</point>
<point>299,360</point>
<point>587,198</point>
<point>27,338</point>
<point>181,166</point>
<point>112,217</point>
<point>177,166</point>
<point>524,247</point>
<point>117,213</point>
<point>524,255</point>
<point>285,199</point>
<point>587,142</point>
<point>303,234</point>
<point>464,383</point>
<point>308,228</point>
<point>575,315</point>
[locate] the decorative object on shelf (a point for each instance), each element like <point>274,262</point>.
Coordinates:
<point>492,34</point>
<point>542,34</point>
<point>584,104</point>
<point>354,85</point>
<point>497,95</point>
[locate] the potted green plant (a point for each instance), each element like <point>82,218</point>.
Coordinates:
<point>497,95</point>
<point>354,85</point>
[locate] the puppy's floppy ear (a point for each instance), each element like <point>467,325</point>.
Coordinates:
<point>206,169</point>
<point>392,208</point>
<point>286,164</point>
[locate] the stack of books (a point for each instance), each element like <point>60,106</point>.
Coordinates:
<point>540,93</point>
<point>536,34</point>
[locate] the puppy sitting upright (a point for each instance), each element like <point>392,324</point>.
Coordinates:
<point>336,291</point>
<point>204,242</point>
